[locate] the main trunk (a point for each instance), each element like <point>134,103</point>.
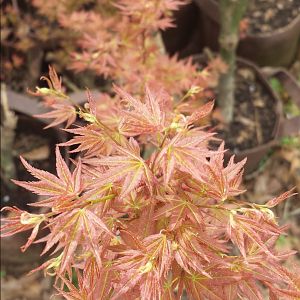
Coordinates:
<point>232,12</point>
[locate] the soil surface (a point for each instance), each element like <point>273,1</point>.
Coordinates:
<point>33,287</point>
<point>254,114</point>
<point>265,16</point>
<point>37,147</point>
<point>255,110</point>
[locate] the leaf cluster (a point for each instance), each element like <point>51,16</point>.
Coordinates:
<point>149,210</point>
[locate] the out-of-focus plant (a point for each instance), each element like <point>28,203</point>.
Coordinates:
<point>29,37</point>
<point>123,44</point>
<point>116,39</point>
<point>32,37</point>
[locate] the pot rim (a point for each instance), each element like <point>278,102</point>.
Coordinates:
<point>23,103</point>
<point>29,106</point>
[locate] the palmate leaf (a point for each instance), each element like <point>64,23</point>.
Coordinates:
<point>248,288</point>
<point>201,112</point>
<point>60,113</point>
<point>222,182</point>
<point>289,286</point>
<point>141,118</point>
<point>259,268</point>
<point>54,81</point>
<point>65,186</point>
<point>146,266</point>
<point>178,208</point>
<point>193,251</point>
<point>90,139</point>
<point>94,282</point>
<point>199,290</point>
<point>288,293</point>
<point>152,16</point>
<point>19,221</point>
<point>71,229</point>
<point>186,151</point>
<point>55,91</point>
<point>128,168</point>
<point>277,200</point>
<point>247,227</point>
<point>61,108</point>
<point>222,283</point>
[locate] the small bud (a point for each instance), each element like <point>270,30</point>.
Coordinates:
<point>31,219</point>
<point>194,90</point>
<point>270,215</point>
<point>95,55</point>
<point>115,241</point>
<point>44,91</point>
<point>88,117</point>
<point>146,268</point>
<point>54,264</point>
<point>174,246</point>
<point>178,122</point>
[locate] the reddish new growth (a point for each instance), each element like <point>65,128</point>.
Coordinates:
<point>149,211</point>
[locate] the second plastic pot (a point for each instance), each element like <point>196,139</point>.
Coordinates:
<point>277,48</point>
<point>281,127</point>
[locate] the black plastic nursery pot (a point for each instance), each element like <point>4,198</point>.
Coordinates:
<point>186,23</point>
<point>276,48</point>
<point>284,127</point>
<point>281,126</point>
<point>256,154</point>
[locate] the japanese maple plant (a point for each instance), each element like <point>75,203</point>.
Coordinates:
<point>147,210</point>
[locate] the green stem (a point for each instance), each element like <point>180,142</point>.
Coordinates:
<point>232,12</point>
<point>8,128</point>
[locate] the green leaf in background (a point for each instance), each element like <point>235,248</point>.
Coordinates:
<point>2,273</point>
<point>276,85</point>
<point>291,141</point>
<point>290,108</point>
